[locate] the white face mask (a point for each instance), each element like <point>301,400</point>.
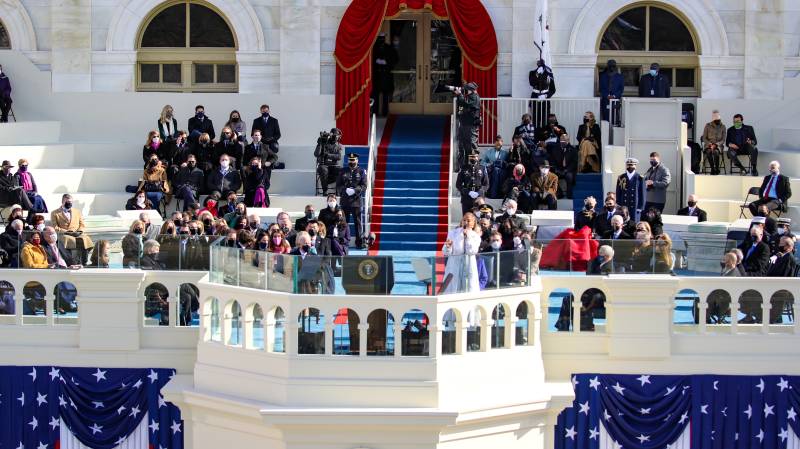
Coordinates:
<point>225,163</point>
<point>540,70</point>
<point>51,237</point>
<point>140,200</point>
<point>40,227</point>
<point>511,211</point>
<point>332,204</point>
<point>517,241</point>
<point>781,231</point>
<point>496,245</point>
<point>544,171</point>
<point>257,138</point>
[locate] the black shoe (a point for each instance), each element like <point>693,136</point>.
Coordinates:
<point>754,172</point>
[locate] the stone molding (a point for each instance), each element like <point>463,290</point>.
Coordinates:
<point>18,25</point>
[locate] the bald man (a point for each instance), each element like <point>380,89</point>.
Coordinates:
<point>691,210</point>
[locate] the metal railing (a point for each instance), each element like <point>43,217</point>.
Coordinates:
<point>373,161</point>
<point>615,115</point>
<point>451,167</point>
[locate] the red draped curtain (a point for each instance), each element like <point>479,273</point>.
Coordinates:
<point>357,33</point>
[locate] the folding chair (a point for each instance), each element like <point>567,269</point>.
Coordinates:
<point>706,167</point>
<point>744,206</point>
<point>738,170</point>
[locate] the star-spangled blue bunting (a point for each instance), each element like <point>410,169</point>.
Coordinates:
<point>101,407</point>
<point>649,411</point>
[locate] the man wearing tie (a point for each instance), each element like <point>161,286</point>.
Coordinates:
<point>775,190</point>
<point>692,210</point>
<point>602,222</point>
<point>756,253</point>
<point>269,127</point>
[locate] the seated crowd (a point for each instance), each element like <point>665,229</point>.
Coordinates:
<point>538,168</point>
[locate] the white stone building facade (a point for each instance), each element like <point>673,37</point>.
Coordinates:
<point>745,48</point>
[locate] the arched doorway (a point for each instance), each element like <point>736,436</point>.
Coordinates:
<point>435,32</point>
<point>646,32</point>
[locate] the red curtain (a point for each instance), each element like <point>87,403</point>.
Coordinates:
<point>357,33</point>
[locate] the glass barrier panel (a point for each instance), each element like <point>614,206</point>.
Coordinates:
<point>411,276</point>
<point>252,273</point>
<point>782,308</point>
<point>750,308</point>
<point>276,330</point>
<point>256,328</point>
<point>559,310</point>
<point>380,335</point>
<point>415,335</point>
<point>7,302</point>
<point>216,270</point>
<point>346,335</point>
<point>719,308</point>
<point>156,305</point>
<point>233,315</point>
<point>450,329</point>
<point>311,332</point>
<point>522,328</point>
<point>499,326</point>
<point>593,310</point>
<point>686,310</point>
<point>476,320</point>
<point>280,272</point>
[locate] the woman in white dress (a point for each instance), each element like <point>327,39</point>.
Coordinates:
<point>463,243</point>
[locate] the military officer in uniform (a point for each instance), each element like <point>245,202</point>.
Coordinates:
<point>472,182</point>
<point>469,120</point>
<point>543,85</point>
<point>631,189</point>
<point>351,183</point>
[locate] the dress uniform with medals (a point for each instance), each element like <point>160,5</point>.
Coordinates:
<point>631,189</point>
<point>351,183</point>
<point>472,182</point>
<point>543,86</point>
<point>468,104</point>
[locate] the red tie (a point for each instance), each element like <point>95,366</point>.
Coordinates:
<point>769,186</point>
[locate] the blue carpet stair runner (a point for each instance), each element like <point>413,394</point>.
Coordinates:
<point>587,184</point>
<point>410,196</point>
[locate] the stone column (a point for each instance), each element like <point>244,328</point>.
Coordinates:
<point>300,47</point>
<point>362,339</point>
<point>763,39</point>
<point>71,41</point>
<point>398,339</point>
<point>635,297</point>
<point>110,309</point>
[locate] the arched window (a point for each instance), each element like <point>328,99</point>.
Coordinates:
<point>186,46</point>
<point>644,33</point>
<point>5,42</point>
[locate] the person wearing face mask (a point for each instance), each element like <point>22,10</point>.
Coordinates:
<point>188,182</point>
<point>617,230</point>
<point>630,189</point>
<point>691,209</point>
<point>308,215</point>
<point>544,188</point>
<point>518,154</point>
<point>11,192</point>
<point>224,178</point>
<point>138,202</point>
<point>57,255</point>
<point>33,255</point>
<point>713,140</point>
<point>589,143</point>
<point>728,265</point>
<point>152,147</point>
<point>167,124</point>
<point>24,179</point>
<point>563,159</point>
<point>10,243</point>
<point>783,228</point>
<point>461,271</point>
<point>774,192</point>
<point>269,127</point>
<point>5,96</point>
<point>654,84</point>
<point>643,254</point>
<point>203,149</point>
<point>68,222</point>
<point>510,213</point>
<point>656,181</point>
<point>133,245</point>
<point>604,262</point>
<point>783,261</point>
<point>339,235</point>
<point>384,59</point>
<point>602,222</point>
<point>468,105</point>
<point>550,132</point>
<point>200,124</point>
<point>256,184</point>
<point>318,240</point>
<point>350,185</point>
<point>238,126</point>
<point>472,182</point>
<point>587,216</point>
<point>612,85</point>
<point>232,218</point>
<point>261,150</point>
<point>151,259</point>
<point>526,131</point>
<point>489,257</point>
<point>494,162</point>
<point>154,181</point>
<point>543,86</point>
<point>518,188</point>
<point>230,145</point>
<point>756,253</point>
<point>741,141</point>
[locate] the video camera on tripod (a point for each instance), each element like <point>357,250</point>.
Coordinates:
<point>326,151</point>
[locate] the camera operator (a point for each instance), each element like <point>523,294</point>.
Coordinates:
<point>329,156</point>
<point>472,182</point>
<point>469,120</point>
<point>350,185</point>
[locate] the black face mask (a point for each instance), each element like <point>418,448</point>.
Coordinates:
<point>285,230</point>
<point>306,248</point>
<point>231,242</point>
<point>353,164</point>
<point>691,203</point>
<point>194,231</point>
<point>68,205</point>
<point>253,226</point>
<point>587,206</point>
<point>239,212</point>
<point>310,215</point>
<point>207,223</point>
<point>184,232</point>
<point>199,115</point>
<point>585,120</point>
<point>610,208</point>
<point>177,222</point>
<point>191,165</point>
<point>312,233</point>
<point>137,231</point>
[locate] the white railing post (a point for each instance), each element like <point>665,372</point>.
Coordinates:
<point>372,161</point>
<point>702,313</point>
<point>450,174</point>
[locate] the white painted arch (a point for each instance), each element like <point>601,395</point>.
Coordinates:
<point>129,14</point>
<point>18,25</point>
<point>700,14</point>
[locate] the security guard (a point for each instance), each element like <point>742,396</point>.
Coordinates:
<point>631,189</point>
<point>472,182</point>
<point>469,120</point>
<point>351,183</point>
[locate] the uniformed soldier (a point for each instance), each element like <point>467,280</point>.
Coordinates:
<point>631,189</point>
<point>350,185</point>
<point>469,120</point>
<point>472,182</point>
<point>543,86</point>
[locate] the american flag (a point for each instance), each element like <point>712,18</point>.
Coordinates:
<point>49,407</point>
<point>681,412</point>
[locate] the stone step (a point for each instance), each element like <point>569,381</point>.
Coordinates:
<point>30,133</point>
